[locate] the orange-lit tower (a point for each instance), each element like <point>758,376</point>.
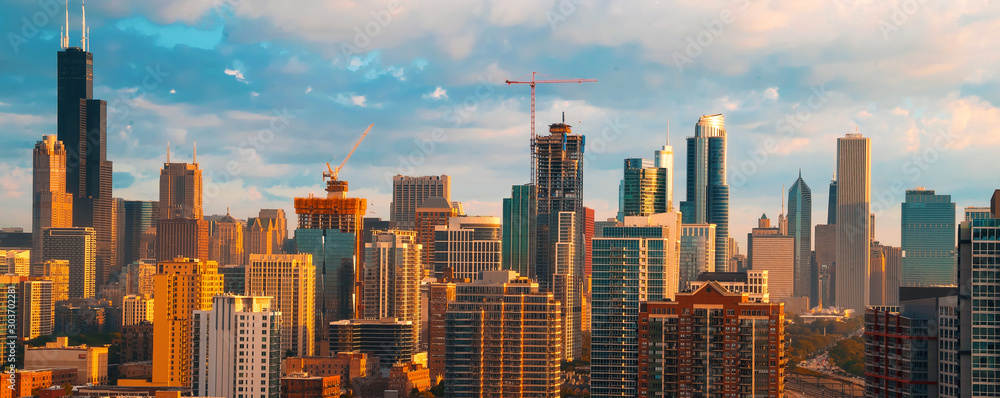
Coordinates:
<point>344,215</point>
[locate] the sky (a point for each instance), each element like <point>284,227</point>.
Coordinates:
<point>271,91</point>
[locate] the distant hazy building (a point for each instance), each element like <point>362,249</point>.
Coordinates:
<point>884,274</point>
<point>181,191</point>
<point>392,278</point>
<point>697,254</point>
<point>136,310</point>
<point>182,237</point>
<point>139,278</point>
<point>182,286</point>
<point>137,217</point>
<point>518,235</point>
<point>289,279</point>
<point>226,243</point>
<point>707,200</point>
<point>280,228</point>
<point>78,246</point>
<point>237,332</point>
<point>928,239</point>
<point>826,259</point>
<point>831,211</point>
<point>17,262</point>
<point>633,263</point>
<point>57,271</point>
<point>502,338</point>
<point>770,251</point>
<point>800,229</point>
<point>853,222</point>
<point>409,192</point>
<point>467,245</point>
<point>675,366</point>
<point>52,205</point>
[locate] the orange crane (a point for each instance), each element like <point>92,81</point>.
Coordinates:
<point>333,184</point>
<point>532,83</point>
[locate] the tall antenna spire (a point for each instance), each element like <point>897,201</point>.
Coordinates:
<point>83,34</point>
<point>668,131</point>
<point>782,198</point>
<point>564,117</point>
<point>195,160</point>
<point>64,39</point>
<point>168,151</point>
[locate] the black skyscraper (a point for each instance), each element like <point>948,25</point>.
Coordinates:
<point>81,124</point>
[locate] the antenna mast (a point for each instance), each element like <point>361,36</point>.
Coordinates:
<point>83,35</point>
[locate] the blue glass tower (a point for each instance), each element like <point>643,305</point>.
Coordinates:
<point>518,218</point>
<point>333,256</point>
<point>707,200</point>
<point>928,239</point>
<point>800,228</point>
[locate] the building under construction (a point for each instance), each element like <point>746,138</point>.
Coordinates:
<point>559,194</point>
<point>330,229</point>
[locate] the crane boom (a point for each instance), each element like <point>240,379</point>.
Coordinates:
<point>531,83</point>
<point>332,174</point>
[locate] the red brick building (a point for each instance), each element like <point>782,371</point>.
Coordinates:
<point>711,342</point>
<point>300,385</point>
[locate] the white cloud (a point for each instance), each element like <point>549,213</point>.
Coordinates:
<point>172,91</point>
<point>309,89</point>
<point>438,94</point>
<point>238,75</point>
<point>771,93</point>
<point>350,99</point>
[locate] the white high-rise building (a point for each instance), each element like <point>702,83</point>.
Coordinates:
<point>236,349</point>
<point>392,278</point>
<point>854,171</point>
<point>468,245</point>
<point>136,309</point>
<point>290,280</point>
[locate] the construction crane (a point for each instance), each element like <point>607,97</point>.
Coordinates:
<point>532,83</point>
<point>333,183</point>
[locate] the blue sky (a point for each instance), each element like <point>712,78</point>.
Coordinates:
<point>271,91</point>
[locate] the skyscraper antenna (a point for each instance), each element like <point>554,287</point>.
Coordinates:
<point>564,117</point>
<point>64,39</point>
<point>83,33</point>
<point>782,198</point>
<point>168,151</point>
<point>195,157</point>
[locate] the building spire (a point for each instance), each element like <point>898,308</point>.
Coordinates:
<point>782,198</point>
<point>64,39</point>
<point>168,151</point>
<point>195,159</point>
<point>83,34</point>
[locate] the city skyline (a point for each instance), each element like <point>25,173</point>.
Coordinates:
<point>283,74</point>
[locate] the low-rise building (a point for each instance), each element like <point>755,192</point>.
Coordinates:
<point>347,365</point>
<point>301,385</point>
<point>91,363</point>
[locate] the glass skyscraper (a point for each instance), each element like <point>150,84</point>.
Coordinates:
<point>333,254</point>
<point>800,228</point>
<point>928,239</point>
<point>707,200</point>
<point>518,218</point>
<point>644,188</point>
<point>634,263</point>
